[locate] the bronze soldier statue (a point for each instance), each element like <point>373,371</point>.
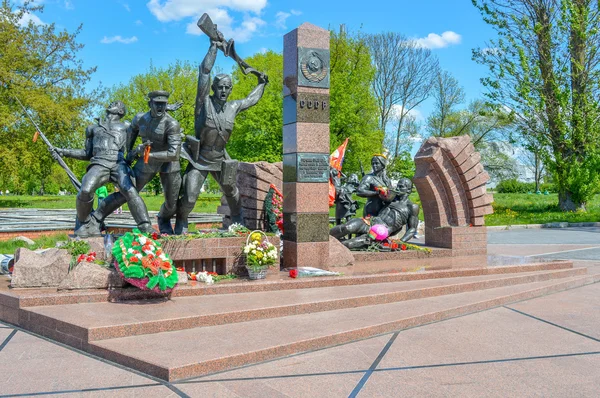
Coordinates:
<point>371,183</point>
<point>104,147</point>
<point>214,118</point>
<point>345,206</point>
<point>161,145</point>
<point>398,210</point>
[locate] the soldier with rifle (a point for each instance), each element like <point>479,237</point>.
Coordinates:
<point>161,144</point>
<point>105,144</point>
<point>214,119</point>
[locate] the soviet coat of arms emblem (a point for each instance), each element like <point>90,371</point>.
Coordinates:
<point>314,67</point>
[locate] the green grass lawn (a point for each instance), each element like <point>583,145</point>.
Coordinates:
<point>517,208</point>
<point>207,203</point>
<point>45,241</point>
<point>509,209</point>
<point>522,208</point>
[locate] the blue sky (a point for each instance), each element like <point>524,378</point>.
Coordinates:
<point>122,37</point>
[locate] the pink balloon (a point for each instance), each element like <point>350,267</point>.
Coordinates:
<point>379,232</point>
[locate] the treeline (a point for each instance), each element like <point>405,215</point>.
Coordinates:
<point>541,111</point>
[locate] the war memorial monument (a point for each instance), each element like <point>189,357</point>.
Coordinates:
<point>264,304</point>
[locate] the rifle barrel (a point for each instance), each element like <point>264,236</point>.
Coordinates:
<point>74,180</point>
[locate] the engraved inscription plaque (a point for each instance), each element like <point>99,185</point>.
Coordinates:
<point>313,167</point>
<point>313,67</point>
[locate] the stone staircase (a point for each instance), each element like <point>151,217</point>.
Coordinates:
<point>205,329</point>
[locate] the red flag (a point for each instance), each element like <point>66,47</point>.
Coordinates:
<point>35,136</point>
<point>337,157</point>
<point>335,160</point>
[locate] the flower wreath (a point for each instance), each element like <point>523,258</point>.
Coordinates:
<point>141,261</point>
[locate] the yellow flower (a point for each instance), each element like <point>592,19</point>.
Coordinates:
<point>256,236</point>
<point>259,255</point>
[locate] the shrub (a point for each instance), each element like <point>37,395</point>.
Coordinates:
<point>514,186</point>
<point>548,187</point>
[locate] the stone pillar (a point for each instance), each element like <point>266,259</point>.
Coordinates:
<point>306,147</point>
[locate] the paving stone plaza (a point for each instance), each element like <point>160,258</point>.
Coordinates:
<point>546,346</point>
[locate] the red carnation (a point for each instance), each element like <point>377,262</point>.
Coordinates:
<point>403,247</point>
<point>135,244</point>
<point>155,235</point>
<point>293,273</point>
<point>134,259</point>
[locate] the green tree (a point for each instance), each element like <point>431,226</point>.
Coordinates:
<point>354,108</point>
<point>40,66</point>
<point>179,79</point>
<point>404,77</point>
<point>257,132</point>
<point>544,66</point>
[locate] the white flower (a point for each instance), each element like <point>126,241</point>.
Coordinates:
<point>235,227</point>
<point>246,250</point>
<point>163,257</point>
<point>204,277</point>
<point>148,251</point>
<point>142,240</point>
<point>130,250</point>
<point>139,255</point>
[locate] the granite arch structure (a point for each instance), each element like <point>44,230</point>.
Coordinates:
<point>451,183</point>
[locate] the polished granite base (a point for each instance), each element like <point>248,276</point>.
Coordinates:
<point>206,329</point>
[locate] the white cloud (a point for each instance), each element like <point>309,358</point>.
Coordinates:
<point>296,12</point>
<point>119,39</point>
<point>175,10</point>
<point>263,50</point>
<point>224,23</point>
<point>69,5</point>
<point>28,17</point>
<point>126,6</point>
<point>414,113</point>
<point>280,19</point>
<point>433,40</point>
<point>139,22</point>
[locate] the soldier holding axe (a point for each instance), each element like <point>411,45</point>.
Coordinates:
<point>214,119</point>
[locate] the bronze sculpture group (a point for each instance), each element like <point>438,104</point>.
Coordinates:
<point>386,205</point>
<point>110,148</point>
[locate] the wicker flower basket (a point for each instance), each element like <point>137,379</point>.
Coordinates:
<point>262,274</point>
<point>255,273</point>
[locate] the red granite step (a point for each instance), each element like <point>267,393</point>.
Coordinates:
<point>198,351</point>
<point>456,267</point>
<point>78,324</point>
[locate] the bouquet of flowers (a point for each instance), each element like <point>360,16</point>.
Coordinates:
<point>89,257</point>
<point>260,254</point>
<point>141,261</point>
